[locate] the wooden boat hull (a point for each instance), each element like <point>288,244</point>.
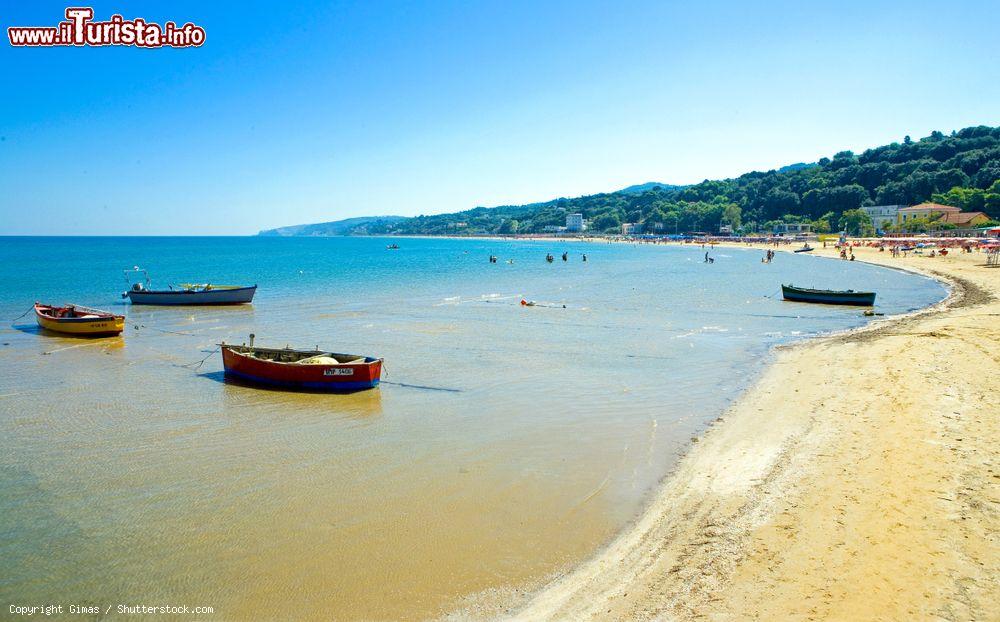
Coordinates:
<point>82,326</point>
<point>239,296</point>
<point>344,378</point>
<point>828,297</point>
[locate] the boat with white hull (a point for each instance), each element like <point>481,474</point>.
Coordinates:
<point>187,293</point>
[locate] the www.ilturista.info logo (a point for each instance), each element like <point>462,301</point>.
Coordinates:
<point>79,29</point>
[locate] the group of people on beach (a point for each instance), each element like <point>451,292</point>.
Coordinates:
<point>768,256</point>
<point>846,250</point>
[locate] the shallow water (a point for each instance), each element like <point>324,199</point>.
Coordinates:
<point>505,443</point>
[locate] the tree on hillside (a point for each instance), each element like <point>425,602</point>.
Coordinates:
<point>777,201</point>
<point>836,199</point>
<point>991,202</point>
<point>824,224</point>
<point>607,223</point>
<point>988,174</point>
<point>732,215</point>
<point>969,199</point>
<point>856,222</point>
<point>509,226</point>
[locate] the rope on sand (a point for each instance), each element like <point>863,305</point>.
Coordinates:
<point>161,330</point>
<point>417,386</point>
<point>197,364</point>
<point>79,345</point>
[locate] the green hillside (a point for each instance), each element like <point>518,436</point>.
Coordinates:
<point>961,169</point>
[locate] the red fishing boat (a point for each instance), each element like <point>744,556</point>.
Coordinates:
<point>301,369</point>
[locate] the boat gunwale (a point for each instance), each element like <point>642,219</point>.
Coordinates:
<point>100,316</point>
<point>242,350</point>
<point>180,292</point>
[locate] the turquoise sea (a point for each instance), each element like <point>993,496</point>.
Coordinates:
<point>505,444</point>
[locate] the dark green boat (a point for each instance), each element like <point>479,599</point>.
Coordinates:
<point>828,296</point>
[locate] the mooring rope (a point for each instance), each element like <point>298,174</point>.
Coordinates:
<point>197,364</point>
<point>419,386</point>
<point>171,332</point>
<point>99,342</point>
<point>385,371</point>
<point>30,309</point>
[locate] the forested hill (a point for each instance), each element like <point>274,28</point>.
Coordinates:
<point>961,169</point>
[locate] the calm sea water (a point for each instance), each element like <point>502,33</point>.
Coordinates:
<point>507,442</point>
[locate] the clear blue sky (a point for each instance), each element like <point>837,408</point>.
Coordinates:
<point>296,112</point>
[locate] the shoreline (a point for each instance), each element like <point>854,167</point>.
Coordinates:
<point>753,520</point>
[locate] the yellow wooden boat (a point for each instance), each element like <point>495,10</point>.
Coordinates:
<point>77,320</point>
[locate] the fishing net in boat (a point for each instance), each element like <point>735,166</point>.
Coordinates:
<point>328,360</point>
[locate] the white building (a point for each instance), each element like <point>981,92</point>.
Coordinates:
<point>631,228</point>
<point>882,214</point>
<point>575,222</point>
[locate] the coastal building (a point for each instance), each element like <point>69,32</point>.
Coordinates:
<point>906,214</point>
<point>793,228</point>
<point>554,229</point>
<point>575,223</point>
<point>964,219</point>
<point>882,215</point>
<point>631,228</point>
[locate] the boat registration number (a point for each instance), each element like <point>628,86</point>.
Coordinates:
<point>338,372</point>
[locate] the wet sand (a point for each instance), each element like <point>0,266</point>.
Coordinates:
<point>858,479</point>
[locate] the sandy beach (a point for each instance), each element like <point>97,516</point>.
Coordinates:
<point>858,479</point>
